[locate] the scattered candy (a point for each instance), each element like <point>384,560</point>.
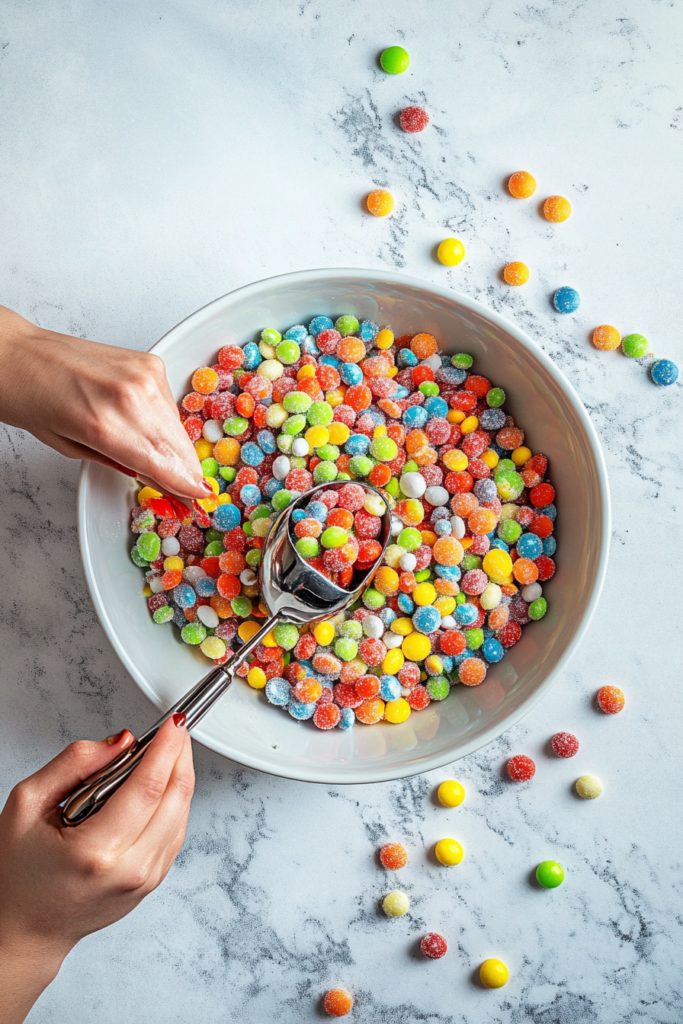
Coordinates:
<point>564,744</point>
<point>664,372</point>
<point>606,338</point>
<point>610,699</point>
<point>556,209</point>
<point>521,768</point>
<point>588,787</point>
<point>394,60</point>
<point>493,973</point>
<point>566,300</point>
<point>413,119</point>
<point>549,874</point>
<point>433,946</point>
<point>396,904</point>
<point>380,203</point>
<point>449,852</point>
<point>393,856</point>
<point>516,273</point>
<point>338,1002</point>
<point>451,252</point>
<point>635,346</point>
<point>451,793</point>
<point>521,185</point>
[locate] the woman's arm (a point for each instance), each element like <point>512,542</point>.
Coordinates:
<point>59,884</point>
<point>92,401</point>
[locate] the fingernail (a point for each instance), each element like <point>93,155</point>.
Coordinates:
<point>179,719</point>
<point>122,469</point>
<point>207,486</point>
<point>111,740</point>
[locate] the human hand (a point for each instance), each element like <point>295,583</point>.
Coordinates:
<point>99,402</point>
<point>59,884</point>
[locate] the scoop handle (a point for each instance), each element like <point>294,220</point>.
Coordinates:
<point>92,794</point>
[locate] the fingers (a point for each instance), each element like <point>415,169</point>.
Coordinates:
<point>55,780</point>
<point>128,812</point>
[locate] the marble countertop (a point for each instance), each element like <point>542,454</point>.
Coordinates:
<point>157,155</point>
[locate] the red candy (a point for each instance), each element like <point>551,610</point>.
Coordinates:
<point>433,946</point>
<point>521,768</point>
<point>564,744</point>
<point>413,119</point>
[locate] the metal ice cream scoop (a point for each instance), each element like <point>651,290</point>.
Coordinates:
<point>293,591</point>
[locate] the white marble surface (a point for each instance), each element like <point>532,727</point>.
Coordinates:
<point>156,155</point>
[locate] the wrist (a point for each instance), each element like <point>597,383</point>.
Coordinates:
<point>20,344</point>
<point>27,967</point>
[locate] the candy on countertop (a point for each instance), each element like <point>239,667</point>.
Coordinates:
<point>664,372</point>
<point>521,768</point>
<point>433,946</point>
<point>451,252</point>
<point>493,973</point>
<point>549,874</point>
<point>635,346</point>
<point>556,209</point>
<point>393,856</point>
<point>610,699</point>
<point>588,787</point>
<point>394,60</point>
<point>516,273</point>
<point>449,852</point>
<point>396,904</point>
<point>413,119</point>
<point>521,184</point>
<point>606,338</point>
<point>380,202</point>
<point>338,1002</point>
<point>564,744</point>
<point>566,300</point>
<point>451,793</point>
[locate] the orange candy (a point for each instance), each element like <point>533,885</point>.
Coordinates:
<point>227,451</point>
<point>221,606</point>
<point>472,671</point>
<point>338,1002</point>
<point>605,337</point>
<point>482,520</point>
<point>447,551</point>
<point>370,711</point>
<point>416,439</point>
<point>423,345</point>
<point>393,856</point>
<point>510,437</point>
<point>556,209</point>
<point>380,475</point>
<point>386,580</point>
<point>611,699</point>
<point>205,380</point>
<point>525,571</point>
<point>380,202</point>
<point>425,456</point>
<point>499,616</point>
<point>308,690</point>
<point>232,561</point>
<point>465,504</point>
<point>351,350</point>
<point>340,517</point>
<point>521,184</point>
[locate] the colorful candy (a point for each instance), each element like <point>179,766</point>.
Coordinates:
<point>338,1002</point>
<point>606,338</point>
<point>521,768</point>
<point>433,946</point>
<point>493,973</point>
<point>564,744</point>
<point>451,252</point>
<point>588,787</point>
<point>664,372</point>
<point>566,300</point>
<point>521,185</point>
<point>393,856</point>
<point>556,209</point>
<point>516,273</point>
<point>549,874</point>
<point>394,60</point>
<point>379,203</point>
<point>610,699</point>
<point>635,346</point>
<point>413,119</point>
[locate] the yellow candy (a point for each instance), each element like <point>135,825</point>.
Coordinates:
<point>445,606</point>
<point>213,647</point>
<point>335,398</point>
<point>455,415</point>
<point>324,633</point>
<point>451,793</point>
<point>214,483</point>
<point>402,626</point>
<point>380,202</point>
<point>260,527</point>
<point>379,431</point>
<point>276,415</point>
<point>393,371</point>
<point>385,338</point>
<point>305,371</point>
<point>396,711</point>
<point>493,973</point>
<point>269,640</point>
<point>449,852</point>
<point>497,565</point>
<point>247,630</point>
<point>428,538</point>
<point>257,678</point>
<point>173,564</point>
<point>469,425</point>
<point>521,455</point>
<point>456,460</point>
<point>374,505</point>
<point>271,369</point>
<point>490,458</point>
<point>224,499</point>
<point>491,597</point>
<point>147,492</point>
<point>508,511</point>
<point>203,448</point>
<point>146,592</point>
<point>424,594</point>
<point>416,647</point>
<point>466,542</point>
<point>317,436</point>
<point>434,664</point>
<point>588,787</point>
<point>208,504</point>
<point>339,432</point>
<point>396,904</point>
<point>393,555</point>
<point>393,662</point>
<point>451,252</point>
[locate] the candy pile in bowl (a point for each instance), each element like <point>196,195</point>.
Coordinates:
<point>472,519</point>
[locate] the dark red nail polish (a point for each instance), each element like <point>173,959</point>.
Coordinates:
<point>207,486</point>
<point>111,740</point>
<point>122,469</point>
<point>179,719</point>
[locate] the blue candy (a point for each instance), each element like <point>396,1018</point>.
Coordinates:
<point>400,393</point>
<point>357,444</point>
<point>500,544</point>
<point>529,546</point>
<point>347,718</point>
<point>387,615</point>
<point>664,372</point>
<point>252,356</point>
<point>184,596</point>
<point>492,419</point>
<point>318,324</point>
<point>266,442</point>
<point>330,361</point>
<point>297,515</point>
<point>272,486</point>
<point>436,407</point>
<point>548,510</point>
<point>301,711</point>
<point>277,691</point>
<point>226,517</point>
<point>415,417</point>
<point>205,587</point>
<point>443,528</point>
<point>492,650</point>
<point>389,688</point>
<point>317,510</point>
<point>549,546</point>
<point>350,373</point>
<point>566,300</point>
<point>448,572</point>
<point>251,454</point>
<point>406,358</point>
<point>447,662</point>
<point>466,614</point>
<point>309,347</point>
<point>405,603</point>
<point>427,619</point>
<point>179,617</point>
<point>368,330</point>
<point>296,333</point>
<point>250,494</point>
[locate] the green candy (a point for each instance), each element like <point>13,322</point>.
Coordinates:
<point>410,467</point>
<point>343,476</point>
<point>383,448</point>
<point>509,530</point>
<point>298,462</point>
<point>510,485</point>
<point>241,606</point>
<point>474,638</point>
<point>193,633</point>
<point>392,487</point>
<point>271,336</point>
<point>308,547</point>
<point>228,473</point>
<point>212,535</point>
<point>320,414</point>
<point>137,558</point>
<point>210,467</point>
<point>361,465</point>
<point>505,466</point>
<point>297,401</point>
<point>410,539</point>
<point>538,608</point>
<point>149,545</point>
<point>288,352</point>
<point>422,575</point>
<point>213,549</point>
<point>462,360</point>
<point>235,425</point>
<point>253,557</point>
<point>145,520</point>
<point>495,398</point>
<point>429,389</point>
<point>470,562</point>
<point>247,529</point>
<point>163,614</point>
<point>284,443</point>
<point>260,512</point>
<point>325,473</point>
<point>438,688</point>
<point>373,599</point>
<point>346,325</point>
<point>549,874</point>
<point>635,345</point>
<point>346,648</point>
<point>334,537</point>
<point>294,424</point>
<point>352,629</point>
<point>395,61</point>
<point>328,452</point>
<point>286,635</point>
<point>281,500</point>
<point>460,598</point>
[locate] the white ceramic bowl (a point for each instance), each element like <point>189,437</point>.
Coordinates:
<point>242,726</point>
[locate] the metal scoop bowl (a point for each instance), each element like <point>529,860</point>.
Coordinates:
<point>293,591</point>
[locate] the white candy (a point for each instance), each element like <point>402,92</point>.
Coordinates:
<point>392,640</point>
<point>300,447</point>
<point>405,691</point>
<point>170,546</point>
<point>281,467</point>
<point>448,622</point>
<point>247,577</point>
<point>408,562</point>
<point>156,586</point>
<point>413,485</point>
<point>207,615</point>
<point>373,626</point>
<point>458,526</point>
<point>491,597</point>
<point>531,592</point>
<point>434,362</point>
<point>212,430</point>
<point>396,527</point>
<point>437,496</point>
<point>193,573</point>
<point>271,369</point>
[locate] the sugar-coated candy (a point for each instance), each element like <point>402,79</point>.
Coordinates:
<point>393,856</point>
<point>380,203</point>
<point>566,300</point>
<point>338,1002</point>
<point>664,372</point>
<point>433,946</point>
<point>413,119</point>
<point>394,60</point>
<point>516,273</point>
<point>564,744</point>
<point>556,209</point>
<point>396,904</point>
<point>521,185</point>
<point>549,874</point>
<point>635,346</point>
<point>606,338</point>
<point>493,973</point>
<point>610,699</point>
<point>449,852</point>
<point>588,787</point>
<point>451,252</point>
<point>521,768</point>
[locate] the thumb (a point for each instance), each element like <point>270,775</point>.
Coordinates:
<point>54,781</point>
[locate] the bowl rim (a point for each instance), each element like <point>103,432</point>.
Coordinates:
<point>365,276</point>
